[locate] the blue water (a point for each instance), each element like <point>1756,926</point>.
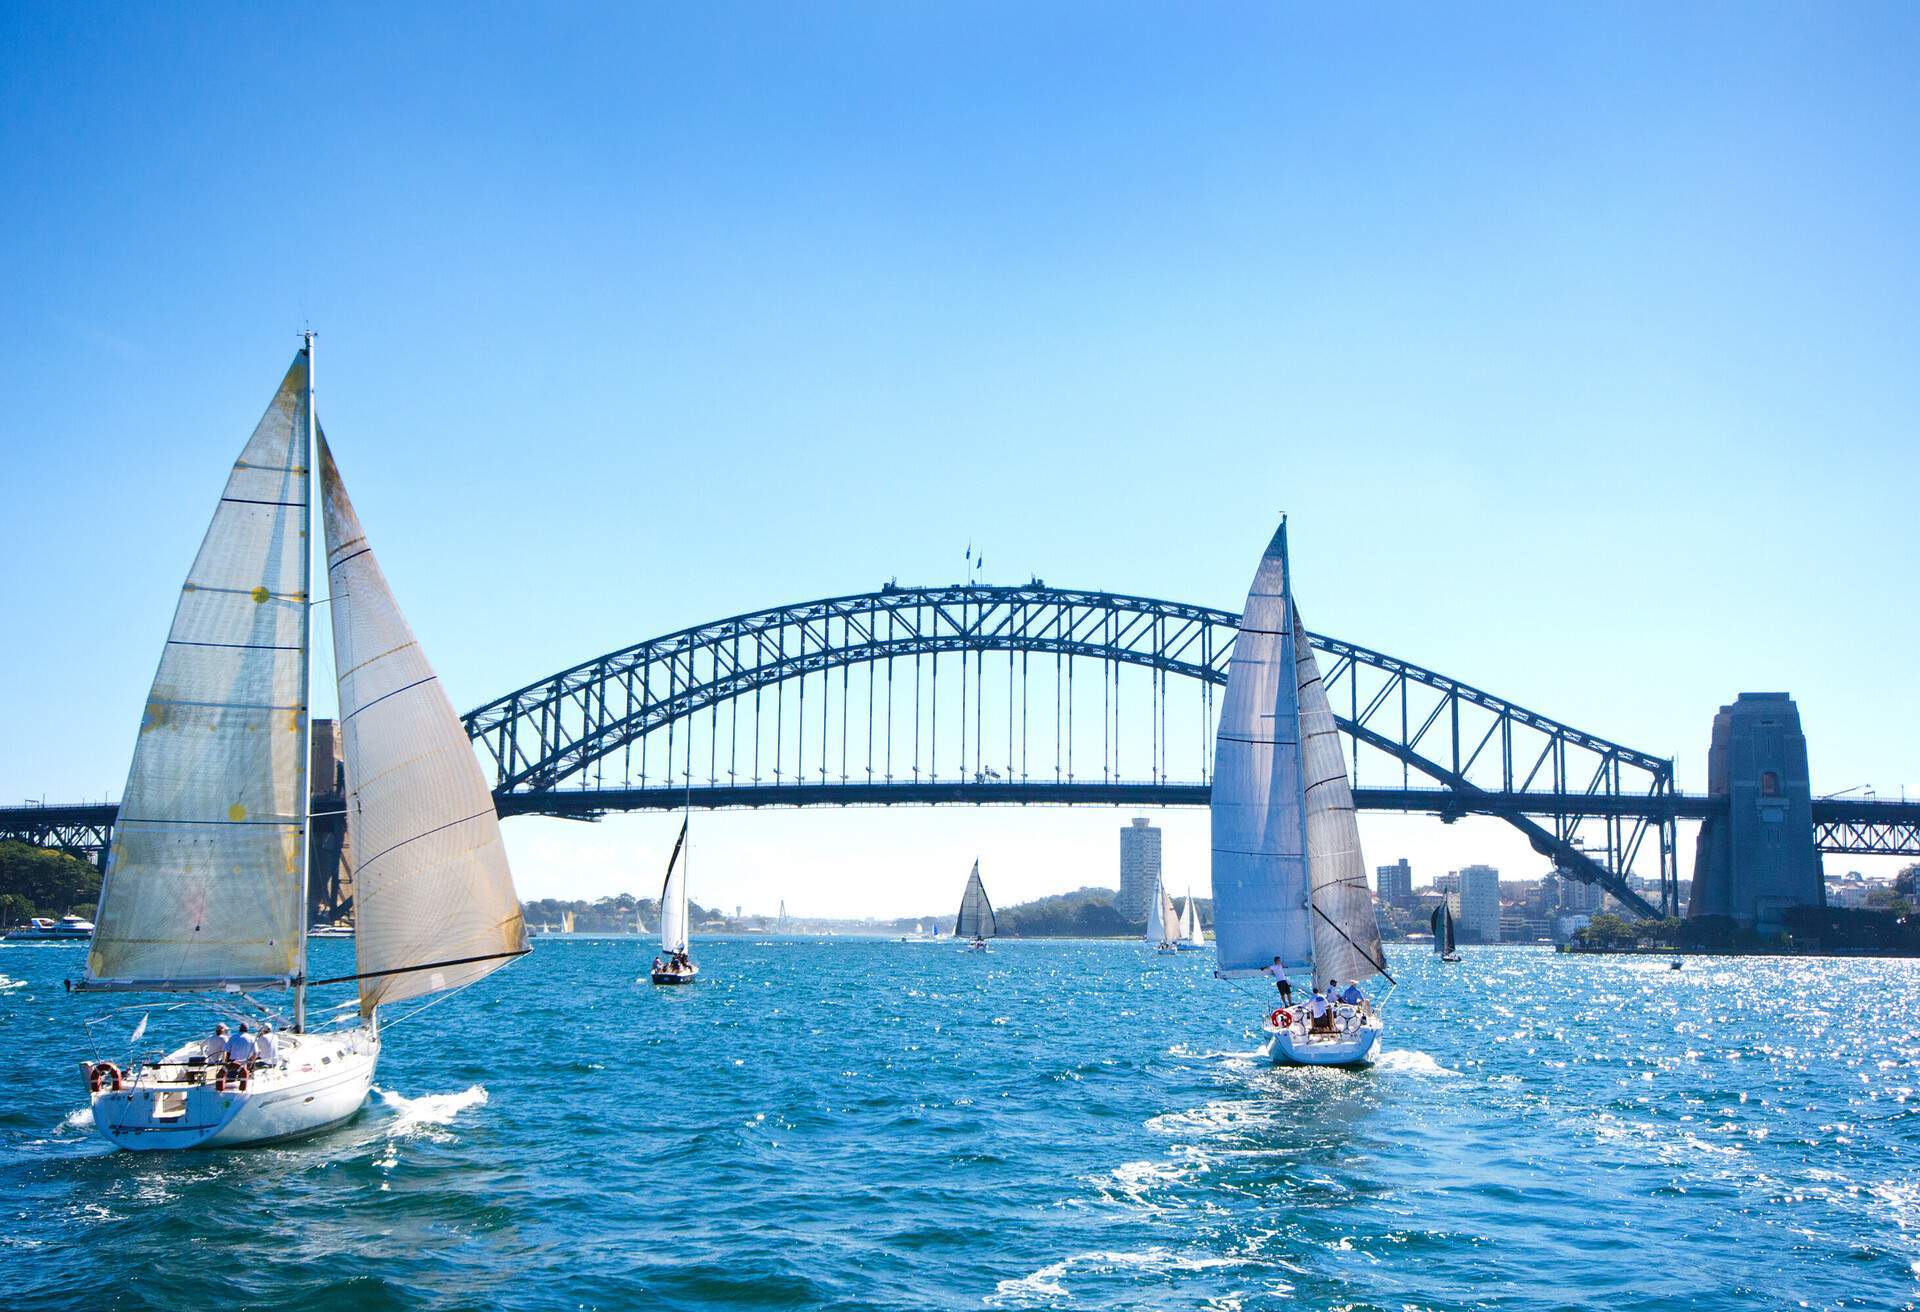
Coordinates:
<point>870,1124</point>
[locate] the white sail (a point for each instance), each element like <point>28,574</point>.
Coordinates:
<point>434,903</point>
<point>205,882</point>
<point>673,899</point>
<point>1190,932</point>
<point>976,912</point>
<point>1346,935</point>
<point>1259,850</point>
<point>1156,917</point>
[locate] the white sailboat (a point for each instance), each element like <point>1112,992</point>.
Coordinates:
<point>1289,884</point>
<point>206,884</point>
<point>675,965</point>
<point>1192,937</point>
<point>975,922</point>
<point>1163,922</point>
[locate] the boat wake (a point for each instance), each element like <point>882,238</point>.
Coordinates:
<point>1409,1062</point>
<point>428,1112</point>
<point>1048,1285</point>
<point>8,984</point>
<point>80,1118</point>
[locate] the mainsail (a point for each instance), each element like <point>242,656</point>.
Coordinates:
<point>206,882</point>
<point>434,903</point>
<point>1163,921</point>
<point>1346,935</point>
<point>1443,929</point>
<point>976,913</point>
<point>1259,851</point>
<point>673,899</point>
<point>1191,935</point>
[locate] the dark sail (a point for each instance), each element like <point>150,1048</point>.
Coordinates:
<point>1443,929</point>
<point>976,913</point>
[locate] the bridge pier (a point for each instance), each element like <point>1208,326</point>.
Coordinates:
<point>1756,858</point>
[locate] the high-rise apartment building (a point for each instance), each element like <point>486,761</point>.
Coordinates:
<point>1139,868</point>
<point>1395,883</point>
<point>1479,904</point>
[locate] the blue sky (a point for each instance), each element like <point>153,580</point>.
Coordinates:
<point>1578,341</point>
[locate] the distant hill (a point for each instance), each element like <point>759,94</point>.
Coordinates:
<point>36,881</point>
<point>1083,913</point>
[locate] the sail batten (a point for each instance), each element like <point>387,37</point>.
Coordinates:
<point>434,905</point>
<point>205,884</point>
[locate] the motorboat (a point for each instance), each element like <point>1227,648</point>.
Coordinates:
<point>45,929</point>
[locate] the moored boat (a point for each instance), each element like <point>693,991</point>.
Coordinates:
<point>1289,883</point>
<point>44,929</point>
<point>205,888</point>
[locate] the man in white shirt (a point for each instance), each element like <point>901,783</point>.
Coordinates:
<point>241,1047</point>
<point>1279,972</point>
<point>214,1049</point>
<point>267,1051</point>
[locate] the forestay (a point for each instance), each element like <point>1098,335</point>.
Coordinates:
<point>204,882</point>
<point>1259,852</point>
<point>976,913</point>
<point>1346,935</point>
<point>435,906</point>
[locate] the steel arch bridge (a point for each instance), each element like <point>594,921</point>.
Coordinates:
<point>1049,695</point>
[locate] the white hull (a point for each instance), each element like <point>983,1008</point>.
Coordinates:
<point>321,1081</point>
<point>1299,1046</point>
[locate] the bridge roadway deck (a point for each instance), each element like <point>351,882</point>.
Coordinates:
<point>587,803</point>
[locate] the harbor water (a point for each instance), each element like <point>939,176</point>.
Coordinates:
<point>846,1123</point>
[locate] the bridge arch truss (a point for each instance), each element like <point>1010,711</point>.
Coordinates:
<point>1034,695</point>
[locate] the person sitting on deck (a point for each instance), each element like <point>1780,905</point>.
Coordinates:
<point>1321,1013</point>
<point>1351,995</point>
<point>658,965</point>
<point>241,1047</point>
<point>215,1047</point>
<point>268,1049</point>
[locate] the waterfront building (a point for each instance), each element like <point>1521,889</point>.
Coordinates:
<point>1395,883</point>
<point>1139,868</point>
<point>1479,904</point>
<point>1448,883</point>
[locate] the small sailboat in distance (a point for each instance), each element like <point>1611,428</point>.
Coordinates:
<point>1289,884</point>
<point>1163,922</point>
<point>205,888</point>
<point>1192,937</point>
<point>675,965</point>
<point>1443,934</point>
<point>975,922</point>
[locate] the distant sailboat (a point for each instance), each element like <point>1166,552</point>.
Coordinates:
<point>1163,922</point>
<point>1192,937</point>
<point>206,884</point>
<point>1443,933</point>
<point>975,922</point>
<point>677,965</point>
<point>1289,885</point>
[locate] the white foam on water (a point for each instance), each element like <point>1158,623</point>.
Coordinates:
<point>81,1118</point>
<point>429,1111</point>
<point>1406,1061</point>
<point>8,984</point>
<point>1048,1281</point>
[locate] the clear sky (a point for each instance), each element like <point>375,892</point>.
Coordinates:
<point>1579,341</point>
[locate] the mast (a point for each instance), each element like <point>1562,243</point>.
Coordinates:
<point>304,789</point>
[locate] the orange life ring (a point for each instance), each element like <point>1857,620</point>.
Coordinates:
<point>104,1074</point>
<point>1281,1019</point>
<point>240,1076</point>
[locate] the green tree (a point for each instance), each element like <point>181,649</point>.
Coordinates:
<point>36,881</point>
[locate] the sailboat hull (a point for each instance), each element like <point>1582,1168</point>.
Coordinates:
<point>676,976</point>
<point>322,1081</point>
<point>1298,1046</point>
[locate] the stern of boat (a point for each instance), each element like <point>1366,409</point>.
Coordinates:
<point>1299,1046</point>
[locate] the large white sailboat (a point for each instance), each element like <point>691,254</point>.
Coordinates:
<point>675,965</point>
<point>1163,921</point>
<point>1289,884</point>
<point>206,883</point>
<point>976,922</point>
